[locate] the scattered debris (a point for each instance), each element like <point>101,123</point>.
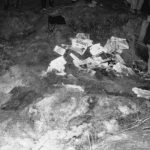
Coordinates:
<point>107,57</point>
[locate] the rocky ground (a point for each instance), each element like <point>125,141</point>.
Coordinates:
<point>77,111</point>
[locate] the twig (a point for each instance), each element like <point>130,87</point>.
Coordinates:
<point>136,125</point>
<point>42,145</point>
<point>89,141</point>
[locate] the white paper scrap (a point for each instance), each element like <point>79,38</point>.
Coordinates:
<point>97,49</point>
<point>61,51</point>
<point>77,62</point>
<point>80,45</point>
<point>115,44</point>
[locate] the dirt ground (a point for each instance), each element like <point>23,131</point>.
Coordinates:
<point>48,113</point>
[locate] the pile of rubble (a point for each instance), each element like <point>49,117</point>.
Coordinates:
<point>85,55</point>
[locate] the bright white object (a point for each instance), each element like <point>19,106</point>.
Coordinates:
<point>97,49</point>
<point>120,68</point>
<point>141,92</point>
<point>58,65</point>
<point>80,45</point>
<point>115,44</point>
<point>61,51</point>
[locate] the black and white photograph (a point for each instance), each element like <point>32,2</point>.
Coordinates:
<point>74,74</point>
